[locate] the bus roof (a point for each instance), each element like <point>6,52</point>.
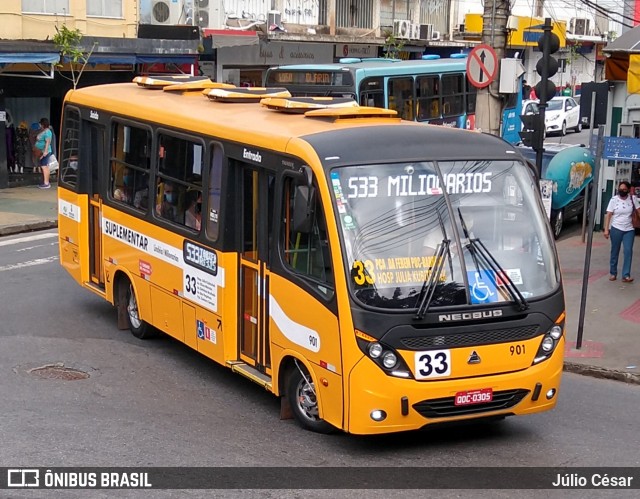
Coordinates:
<point>353,140</point>
<point>389,66</point>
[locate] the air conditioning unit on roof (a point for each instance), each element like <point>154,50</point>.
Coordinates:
<point>426,31</point>
<point>274,18</point>
<point>415,31</point>
<point>402,29</point>
<point>165,12</point>
<point>580,26</point>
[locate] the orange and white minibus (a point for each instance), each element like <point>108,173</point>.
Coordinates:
<point>377,275</point>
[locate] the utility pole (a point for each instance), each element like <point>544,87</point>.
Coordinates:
<point>494,34</point>
<point>539,8</point>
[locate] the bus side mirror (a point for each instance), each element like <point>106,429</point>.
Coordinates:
<point>304,202</point>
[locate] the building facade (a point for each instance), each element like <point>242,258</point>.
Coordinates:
<point>580,56</point>
<point>228,40</point>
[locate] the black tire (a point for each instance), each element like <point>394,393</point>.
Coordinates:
<point>139,328</point>
<point>303,401</point>
<point>578,127</point>
<point>563,130</point>
<point>557,221</point>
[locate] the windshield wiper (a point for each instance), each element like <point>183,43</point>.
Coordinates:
<point>484,259</point>
<point>430,283</point>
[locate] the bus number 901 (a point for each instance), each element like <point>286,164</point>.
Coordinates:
<point>516,349</point>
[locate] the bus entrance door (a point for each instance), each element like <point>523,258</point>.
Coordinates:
<point>257,214</point>
<point>96,269</point>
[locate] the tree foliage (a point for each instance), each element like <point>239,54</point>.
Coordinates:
<point>392,45</point>
<point>68,41</point>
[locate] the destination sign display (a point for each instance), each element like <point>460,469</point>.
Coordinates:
<point>200,257</point>
<point>331,78</point>
<point>417,185</point>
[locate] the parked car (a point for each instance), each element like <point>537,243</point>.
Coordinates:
<point>562,113</point>
<point>530,106</point>
<point>570,167</point>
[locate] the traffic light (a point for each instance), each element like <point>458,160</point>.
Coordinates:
<point>531,134</point>
<point>547,66</point>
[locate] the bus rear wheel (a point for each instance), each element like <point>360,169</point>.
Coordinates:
<point>303,400</point>
<point>139,328</point>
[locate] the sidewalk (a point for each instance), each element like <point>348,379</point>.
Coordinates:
<point>27,208</point>
<point>611,331</point>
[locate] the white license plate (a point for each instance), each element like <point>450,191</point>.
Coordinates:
<point>474,397</point>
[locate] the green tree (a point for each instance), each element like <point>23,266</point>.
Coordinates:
<point>574,52</point>
<point>392,45</point>
<point>68,41</point>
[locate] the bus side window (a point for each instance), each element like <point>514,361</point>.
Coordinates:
<point>428,96</point>
<point>400,93</point>
<point>130,164</point>
<point>70,146</point>
<point>453,94</point>
<point>179,171</point>
<point>304,240</point>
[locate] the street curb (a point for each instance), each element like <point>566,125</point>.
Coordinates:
<point>601,372</point>
<point>28,227</point>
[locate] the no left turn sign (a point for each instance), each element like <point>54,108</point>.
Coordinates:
<point>482,66</point>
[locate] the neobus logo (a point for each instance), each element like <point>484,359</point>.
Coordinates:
<point>469,316</point>
<point>94,115</point>
<point>253,156</point>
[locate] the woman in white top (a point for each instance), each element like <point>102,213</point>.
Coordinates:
<point>618,227</point>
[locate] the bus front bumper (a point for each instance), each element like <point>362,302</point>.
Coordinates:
<point>383,404</point>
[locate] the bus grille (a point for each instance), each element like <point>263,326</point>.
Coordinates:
<point>446,408</point>
<point>470,339</point>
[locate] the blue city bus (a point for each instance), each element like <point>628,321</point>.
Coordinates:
<point>429,90</point>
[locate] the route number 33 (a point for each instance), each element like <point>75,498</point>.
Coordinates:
<point>363,272</point>
<point>433,364</point>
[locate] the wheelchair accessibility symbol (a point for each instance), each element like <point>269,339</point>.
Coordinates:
<point>482,286</point>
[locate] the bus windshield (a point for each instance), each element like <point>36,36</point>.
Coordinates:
<point>395,219</point>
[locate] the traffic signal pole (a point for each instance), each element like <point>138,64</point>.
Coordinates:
<point>546,67</point>
<point>543,86</point>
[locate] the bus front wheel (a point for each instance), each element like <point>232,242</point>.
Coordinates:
<point>139,328</point>
<point>303,400</point>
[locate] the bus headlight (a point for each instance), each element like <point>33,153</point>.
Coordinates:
<point>375,350</point>
<point>549,342</point>
<point>389,360</point>
<point>384,356</point>
<point>555,332</point>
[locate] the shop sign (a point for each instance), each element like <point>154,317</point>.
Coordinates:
<point>355,50</point>
<point>295,53</point>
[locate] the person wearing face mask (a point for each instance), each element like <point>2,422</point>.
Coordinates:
<point>619,229</point>
<point>168,206</point>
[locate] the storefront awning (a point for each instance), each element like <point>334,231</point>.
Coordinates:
<point>110,58</point>
<point>30,58</point>
<point>43,64</point>
<point>178,61</point>
<point>166,59</point>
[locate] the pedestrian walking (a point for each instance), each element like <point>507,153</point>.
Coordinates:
<point>619,228</point>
